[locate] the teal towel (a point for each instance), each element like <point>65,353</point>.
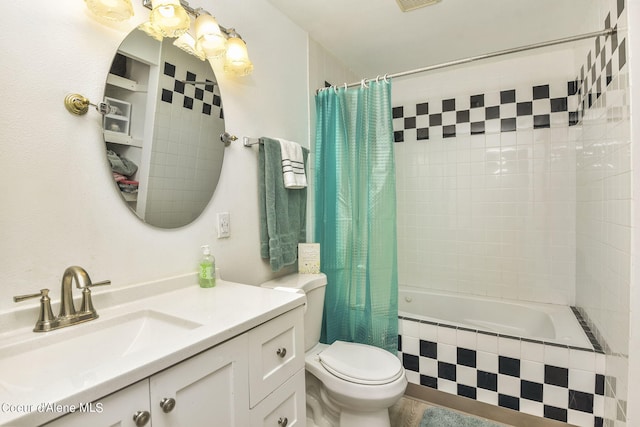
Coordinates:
<point>442,417</point>
<point>282,211</point>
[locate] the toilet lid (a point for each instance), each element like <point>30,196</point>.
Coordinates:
<point>360,363</point>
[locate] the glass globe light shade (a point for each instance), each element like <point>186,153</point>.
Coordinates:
<point>151,30</point>
<point>169,17</point>
<point>237,58</point>
<point>115,10</point>
<point>209,37</point>
<point>187,43</point>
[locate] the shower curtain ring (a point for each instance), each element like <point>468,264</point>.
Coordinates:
<point>385,77</point>
<point>378,78</point>
<point>363,83</point>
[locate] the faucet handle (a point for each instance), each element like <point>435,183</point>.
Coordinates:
<point>87,303</point>
<point>104,282</point>
<point>19,298</point>
<point>45,318</point>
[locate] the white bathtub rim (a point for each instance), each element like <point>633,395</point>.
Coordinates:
<point>572,334</point>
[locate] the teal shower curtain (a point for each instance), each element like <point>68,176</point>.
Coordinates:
<point>355,205</point>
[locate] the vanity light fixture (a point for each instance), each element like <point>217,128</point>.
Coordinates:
<point>211,41</point>
<point>170,18</point>
<point>114,10</point>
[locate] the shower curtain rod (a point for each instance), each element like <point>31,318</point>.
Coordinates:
<point>600,33</point>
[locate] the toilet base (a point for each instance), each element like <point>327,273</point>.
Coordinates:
<point>322,411</point>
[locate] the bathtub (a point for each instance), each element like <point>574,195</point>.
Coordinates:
<point>548,323</point>
<point>527,357</point>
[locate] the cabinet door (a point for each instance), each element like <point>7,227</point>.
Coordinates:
<point>285,407</point>
<point>120,409</point>
<point>209,389</point>
<point>277,353</point>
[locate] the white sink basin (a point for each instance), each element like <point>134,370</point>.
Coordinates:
<point>75,352</point>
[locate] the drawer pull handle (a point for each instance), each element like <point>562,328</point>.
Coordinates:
<point>141,418</point>
<point>167,404</point>
<point>283,421</point>
<point>282,352</point>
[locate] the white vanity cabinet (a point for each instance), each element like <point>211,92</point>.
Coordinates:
<point>276,372</point>
<point>285,407</point>
<point>117,409</point>
<point>210,389</point>
<point>254,379</point>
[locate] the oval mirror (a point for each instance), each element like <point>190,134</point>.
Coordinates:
<point>162,130</point>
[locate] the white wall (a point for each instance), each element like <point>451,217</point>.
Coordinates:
<point>59,204</point>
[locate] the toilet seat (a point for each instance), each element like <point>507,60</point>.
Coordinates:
<point>360,363</point>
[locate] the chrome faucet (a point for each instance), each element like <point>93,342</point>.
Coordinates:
<point>68,314</point>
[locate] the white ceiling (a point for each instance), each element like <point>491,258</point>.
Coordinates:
<point>374,37</point>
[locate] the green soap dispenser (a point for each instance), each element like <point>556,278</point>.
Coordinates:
<point>207,271</point>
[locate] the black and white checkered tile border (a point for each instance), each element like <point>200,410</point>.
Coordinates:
<point>603,62</point>
<point>555,391</point>
<point>193,97</point>
<point>535,108</point>
<point>483,113</point>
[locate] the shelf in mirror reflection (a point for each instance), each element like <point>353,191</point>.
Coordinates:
<point>129,197</point>
<point>120,138</point>
<point>125,83</point>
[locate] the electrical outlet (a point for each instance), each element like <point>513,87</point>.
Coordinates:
<point>224,225</point>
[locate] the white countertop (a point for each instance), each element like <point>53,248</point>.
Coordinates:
<point>225,311</point>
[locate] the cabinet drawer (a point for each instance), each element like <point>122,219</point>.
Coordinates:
<point>276,352</point>
<point>285,407</point>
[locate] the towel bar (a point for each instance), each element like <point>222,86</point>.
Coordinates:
<point>248,142</point>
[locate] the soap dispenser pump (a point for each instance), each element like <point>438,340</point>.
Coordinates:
<point>207,270</point>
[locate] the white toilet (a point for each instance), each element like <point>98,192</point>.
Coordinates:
<point>347,384</point>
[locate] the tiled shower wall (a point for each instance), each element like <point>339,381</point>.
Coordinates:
<point>521,188</point>
<point>604,194</point>
<point>486,178</point>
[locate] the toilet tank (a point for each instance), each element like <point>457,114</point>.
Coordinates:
<point>313,285</point>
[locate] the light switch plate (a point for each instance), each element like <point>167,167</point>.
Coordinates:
<point>224,225</point>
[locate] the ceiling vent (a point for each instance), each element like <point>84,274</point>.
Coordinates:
<point>409,5</point>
